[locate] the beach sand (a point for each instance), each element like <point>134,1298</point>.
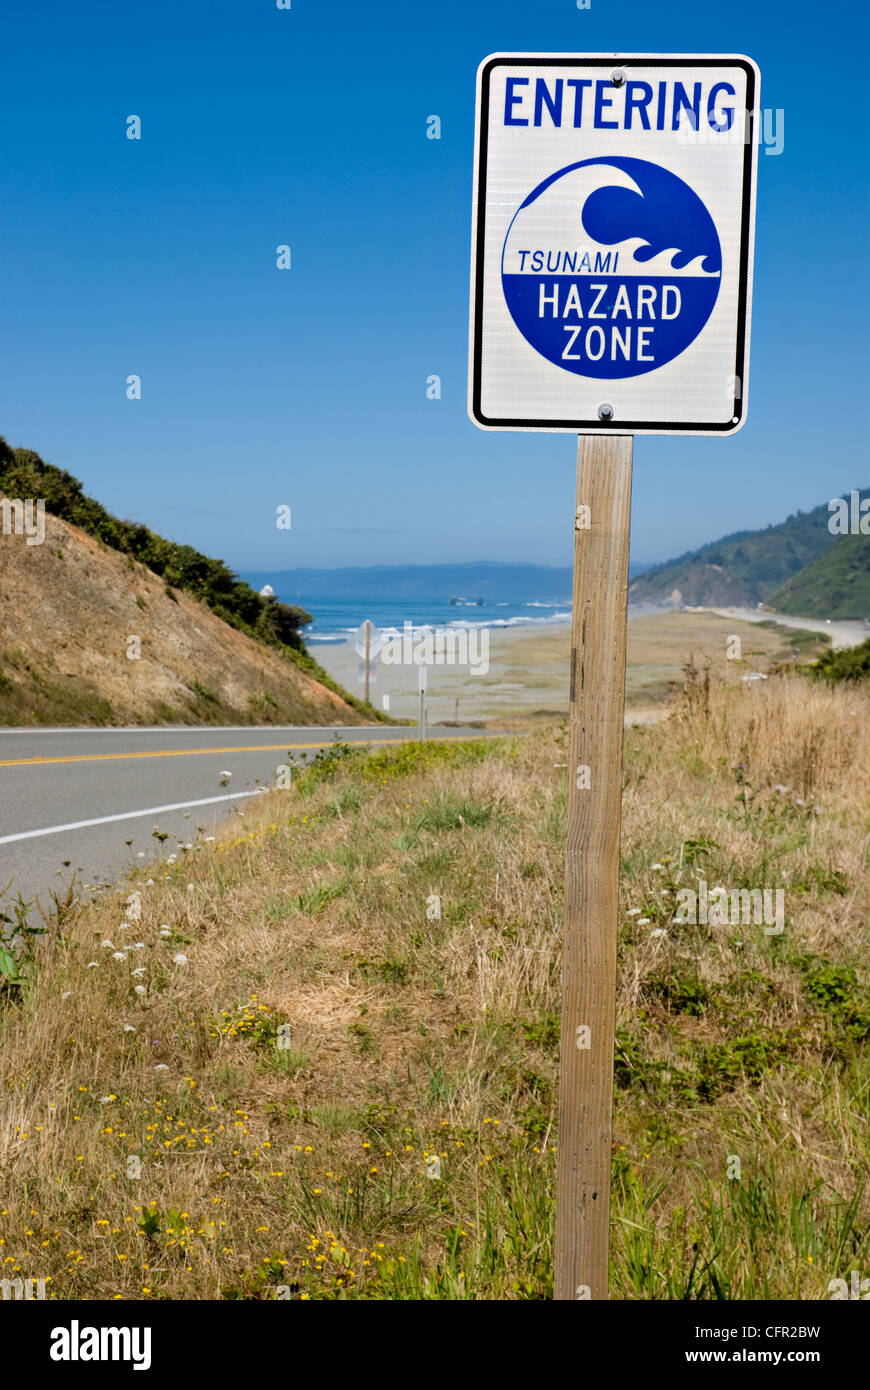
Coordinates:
<point>527,680</point>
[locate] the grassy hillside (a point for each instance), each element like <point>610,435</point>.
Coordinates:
<point>743,569</point>
<point>309,1035</point>
<point>836,585</point>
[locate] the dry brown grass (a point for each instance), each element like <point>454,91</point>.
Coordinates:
<point>413,1035</point>
<point>795,732</point>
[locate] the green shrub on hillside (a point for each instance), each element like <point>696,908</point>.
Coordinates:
<point>848,664</point>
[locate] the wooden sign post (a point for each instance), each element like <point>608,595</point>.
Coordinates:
<point>611,284</point>
<point>368,628</point>
<point>598,636</point>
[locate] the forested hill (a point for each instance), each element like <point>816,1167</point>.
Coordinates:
<point>745,568</point>
<point>836,585</point>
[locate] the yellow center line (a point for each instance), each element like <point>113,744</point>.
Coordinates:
<point>195,752</point>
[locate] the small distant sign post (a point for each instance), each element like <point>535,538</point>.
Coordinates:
<point>368,643</point>
<point>614,208</point>
<point>421,681</point>
<point>367,658</point>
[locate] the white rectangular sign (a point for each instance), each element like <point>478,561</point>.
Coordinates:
<point>614,212</point>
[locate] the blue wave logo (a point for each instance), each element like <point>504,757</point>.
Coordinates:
<point>665,213</point>
<point>611,274</point>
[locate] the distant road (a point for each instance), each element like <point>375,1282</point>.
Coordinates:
<point>842,632</point>
<point>71,798</point>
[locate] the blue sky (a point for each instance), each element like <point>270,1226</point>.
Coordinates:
<point>308,388</point>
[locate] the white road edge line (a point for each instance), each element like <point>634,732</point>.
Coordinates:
<point>126,815</point>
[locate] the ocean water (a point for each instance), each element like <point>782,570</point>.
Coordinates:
<point>337,620</point>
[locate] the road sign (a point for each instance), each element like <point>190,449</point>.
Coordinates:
<point>614,211</point>
<point>368,644</point>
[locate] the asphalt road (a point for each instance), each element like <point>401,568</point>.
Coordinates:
<point>87,801</point>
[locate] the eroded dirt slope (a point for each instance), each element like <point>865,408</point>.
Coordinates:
<point>68,609</point>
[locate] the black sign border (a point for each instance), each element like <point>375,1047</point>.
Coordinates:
<point>598,426</point>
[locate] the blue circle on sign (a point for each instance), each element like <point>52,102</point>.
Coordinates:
<point>611,267</point>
